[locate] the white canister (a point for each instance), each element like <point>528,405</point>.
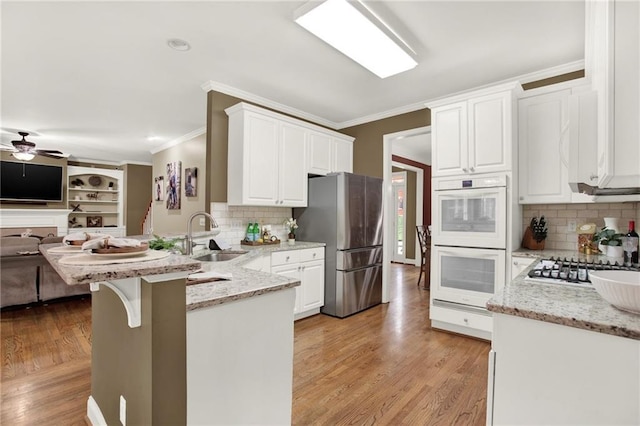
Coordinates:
<point>611,223</point>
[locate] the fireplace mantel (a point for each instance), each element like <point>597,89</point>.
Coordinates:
<point>32,218</point>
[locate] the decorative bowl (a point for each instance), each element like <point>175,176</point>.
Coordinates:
<point>620,288</point>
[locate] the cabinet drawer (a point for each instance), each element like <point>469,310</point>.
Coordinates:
<point>285,257</point>
<point>311,254</point>
<point>462,318</point>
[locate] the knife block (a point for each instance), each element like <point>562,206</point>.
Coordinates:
<point>529,242</point>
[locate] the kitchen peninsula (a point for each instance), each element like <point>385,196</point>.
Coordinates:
<point>167,352</point>
<point>561,355</point>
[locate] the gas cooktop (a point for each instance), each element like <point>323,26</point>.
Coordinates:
<point>571,271</point>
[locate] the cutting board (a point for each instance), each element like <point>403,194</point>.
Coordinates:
<point>85,259</point>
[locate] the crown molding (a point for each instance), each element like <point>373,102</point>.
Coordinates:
<point>178,141</point>
<point>250,97</point>
<point>522,79</point>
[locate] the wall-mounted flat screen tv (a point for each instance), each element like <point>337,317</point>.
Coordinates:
<point>21,181</point>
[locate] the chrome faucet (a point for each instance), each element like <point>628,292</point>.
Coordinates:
<point>188,249</point>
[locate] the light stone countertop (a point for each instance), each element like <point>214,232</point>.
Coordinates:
<point>562,304</point>
<point>244,282</point>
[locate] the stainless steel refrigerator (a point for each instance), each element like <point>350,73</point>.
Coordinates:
<point>345,212</point>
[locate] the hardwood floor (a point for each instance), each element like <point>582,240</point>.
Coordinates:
<point>384,366</point>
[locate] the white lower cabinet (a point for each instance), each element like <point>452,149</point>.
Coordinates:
<point>306,265</point>
<point>519,264</point>
<point>549,374</point>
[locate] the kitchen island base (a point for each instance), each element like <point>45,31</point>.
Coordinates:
<point>240,361</point>
<point>544,373</point>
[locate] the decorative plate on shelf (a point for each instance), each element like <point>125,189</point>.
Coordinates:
<point>95,181</point>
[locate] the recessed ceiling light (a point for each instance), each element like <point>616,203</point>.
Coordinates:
<point>178,44</point>
<point>154,138</point>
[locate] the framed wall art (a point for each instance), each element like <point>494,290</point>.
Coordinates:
<point>190,182</point>
<point>174,170</point>
<point>158,188</point>
<point>94,221</point>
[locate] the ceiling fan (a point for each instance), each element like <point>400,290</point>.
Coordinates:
<point>25,151</point>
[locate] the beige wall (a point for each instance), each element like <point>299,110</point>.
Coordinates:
<point>558,216</point>
<point>367,148</point>
<point>192,154</point>
<point>137,197</point>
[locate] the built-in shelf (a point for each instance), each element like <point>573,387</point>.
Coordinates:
<point>107,213</point>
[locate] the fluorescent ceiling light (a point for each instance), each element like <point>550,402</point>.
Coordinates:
<point>23,156</point>
<point>345,27</point>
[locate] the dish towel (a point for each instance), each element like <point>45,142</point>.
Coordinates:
<point>82,236</point>
<point>210,274</point>
<point>109,241</point>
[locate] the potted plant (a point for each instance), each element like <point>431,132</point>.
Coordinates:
<point>609,242</point>
<point>291,226</point>
<point>535,234</point>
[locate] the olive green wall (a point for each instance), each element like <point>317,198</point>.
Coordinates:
<point>192,154</point>
<point>410,202</point>
<point>137,196</point>
<point>554,80</point>
<point>216,143</point>
<point>367,148</point>
<point>6,156</point>
<point>145,364</point>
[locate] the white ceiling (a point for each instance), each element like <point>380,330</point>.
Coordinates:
<point>96,79</point>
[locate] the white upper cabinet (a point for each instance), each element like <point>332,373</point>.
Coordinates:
<point>556,143</point>
<point>543,150</point>
<point>270,155</point>
<point>612,57</point>
<point>328,153</point>
<point>266,162</point>
<point>473,133</point>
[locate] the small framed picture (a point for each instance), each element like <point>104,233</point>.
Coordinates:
<point>94,221</point>
<point>190,182</point>
<point>158,188</point>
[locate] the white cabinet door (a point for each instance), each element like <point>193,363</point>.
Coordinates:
<point>313,281</point>
<point>291,271</point>
<point>292,191</point>
<point>342,156</point>
<point>543,123</point>
<point>320,148</point>
<point>449,136</point>
<point>490,136</point>
<point>260,160</point>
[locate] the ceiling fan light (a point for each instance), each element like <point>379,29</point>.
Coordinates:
<point>340,24</point>
<point>23,156</point>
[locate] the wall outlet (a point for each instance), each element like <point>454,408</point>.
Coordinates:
<point>202,219</point>
<point>572,225</point>
<point>123,411</point>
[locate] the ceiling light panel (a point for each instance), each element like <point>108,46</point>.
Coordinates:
<point>340,24</point>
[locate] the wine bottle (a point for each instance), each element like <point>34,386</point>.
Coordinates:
<point>631,257</point>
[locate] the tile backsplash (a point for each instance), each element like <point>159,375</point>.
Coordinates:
<point>558,217</point>
<point>233,220</point>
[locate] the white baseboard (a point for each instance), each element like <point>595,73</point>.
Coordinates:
<point>94,414</point>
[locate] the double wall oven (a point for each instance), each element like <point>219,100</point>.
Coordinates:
<point>469,225</point>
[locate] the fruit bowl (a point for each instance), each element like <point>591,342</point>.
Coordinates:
<point>620,288</point>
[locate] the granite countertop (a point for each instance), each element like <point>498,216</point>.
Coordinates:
<point>73,275</point>
<point>561,304</point>
<point>244,282</point>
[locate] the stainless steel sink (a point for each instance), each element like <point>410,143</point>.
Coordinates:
<point>220,256</point>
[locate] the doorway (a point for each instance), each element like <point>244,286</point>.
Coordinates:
<point>399,184</point>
